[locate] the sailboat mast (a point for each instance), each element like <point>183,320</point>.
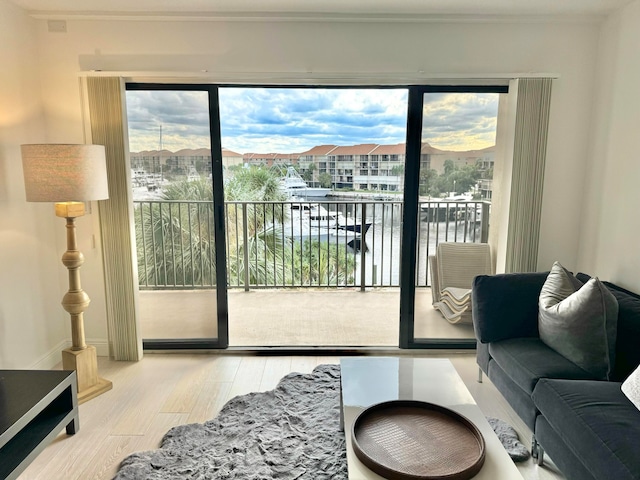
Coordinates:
<point>160,153</point>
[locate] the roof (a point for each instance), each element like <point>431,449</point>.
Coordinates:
<point>397,149</point>
<point>230,153</point>
<point>319,150</point>
<point>362,149</point>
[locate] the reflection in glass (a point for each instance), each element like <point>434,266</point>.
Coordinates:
<point>456,171</point>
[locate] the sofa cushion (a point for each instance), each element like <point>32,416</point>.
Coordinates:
<point>596,421</point>
<point>579,321</point>
<point>525,360</point>
<point>627,351</point>
<point>568,462</point>
<point>506,305</point>
<point>518,399</point>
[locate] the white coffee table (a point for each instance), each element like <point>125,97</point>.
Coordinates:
<point>370,380</point>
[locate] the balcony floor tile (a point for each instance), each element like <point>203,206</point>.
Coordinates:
<point>290,318</point>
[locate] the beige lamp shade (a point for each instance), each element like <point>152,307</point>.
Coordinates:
<point>64,173</point>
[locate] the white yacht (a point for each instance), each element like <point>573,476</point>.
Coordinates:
<point>142,181</point>
<point>192,174</point>
<point>310,221</point>
<point>295,186</point>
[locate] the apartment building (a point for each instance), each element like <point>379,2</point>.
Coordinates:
<point>367,166</point>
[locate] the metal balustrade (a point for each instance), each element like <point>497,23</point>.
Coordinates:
<point>294,244</point>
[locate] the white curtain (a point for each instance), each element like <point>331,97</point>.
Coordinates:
<point>529,154</point>
<point>107,119</point>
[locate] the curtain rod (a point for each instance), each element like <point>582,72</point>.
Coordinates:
<point>367,78</point>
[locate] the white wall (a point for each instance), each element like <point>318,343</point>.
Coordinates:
<point>611,222</point>
<point>263,50</point>
<point>32,322</point>
<point>255,51</point>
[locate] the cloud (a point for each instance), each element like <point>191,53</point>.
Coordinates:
<point>293,120</point>
<point>460,121</point>
<point>182,116</point>
<point>288,120</point>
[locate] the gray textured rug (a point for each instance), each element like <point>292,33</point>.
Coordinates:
<point>509,439</point>
<point>289,433</point>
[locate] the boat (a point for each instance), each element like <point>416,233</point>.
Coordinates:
<point>300,232</point>
<point>316,215</point>
<point>141,179</point>
<point>459,207</point>
<point>295,186</point>
<point>353,226</point>
<point>192,174</point>
<point>311,221</point>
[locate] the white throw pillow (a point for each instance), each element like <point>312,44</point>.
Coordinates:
<point>579,321</point>
<point>631,387</point>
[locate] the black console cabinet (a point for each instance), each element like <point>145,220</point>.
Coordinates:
<point>34,406</point>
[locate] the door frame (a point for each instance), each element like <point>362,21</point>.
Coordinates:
<point>410,218</point>
<point>408,255</point>
<point>222,302</point>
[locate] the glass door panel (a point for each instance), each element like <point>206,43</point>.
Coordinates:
<point>173,209</point>
<point>457,155</point>
<point>313,209</point>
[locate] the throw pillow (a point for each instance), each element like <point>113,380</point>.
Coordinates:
<point>579,321</point>
<point>631,387</point>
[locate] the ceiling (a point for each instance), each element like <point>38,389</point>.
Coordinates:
<point>355,8</point>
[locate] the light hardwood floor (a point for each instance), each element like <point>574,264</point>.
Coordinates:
<point>163,390</point>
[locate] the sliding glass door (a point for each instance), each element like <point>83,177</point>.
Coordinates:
<point>176,182</point>
<point>313,207</point>
<point>317,208</point>
<point>450,158</point>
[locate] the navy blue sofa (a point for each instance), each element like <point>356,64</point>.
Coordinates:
<point>588,427</point>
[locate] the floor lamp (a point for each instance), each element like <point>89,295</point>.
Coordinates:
<point>69,175</point>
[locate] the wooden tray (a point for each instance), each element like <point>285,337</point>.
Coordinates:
<point>409,440</point>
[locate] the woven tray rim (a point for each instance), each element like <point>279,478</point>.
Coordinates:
<point>393,474</point>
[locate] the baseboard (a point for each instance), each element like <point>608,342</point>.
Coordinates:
<point>53,358</point>
<point>101,344</point>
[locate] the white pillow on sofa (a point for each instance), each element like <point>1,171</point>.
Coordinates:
<point>631,387</point>
<point>579,321</point>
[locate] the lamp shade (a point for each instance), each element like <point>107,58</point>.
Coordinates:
<point>64,173</point>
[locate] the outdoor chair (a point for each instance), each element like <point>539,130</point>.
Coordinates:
<point>452,270</point>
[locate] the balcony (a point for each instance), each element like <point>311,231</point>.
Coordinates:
<point>298,273</point>
<point>293,318</point>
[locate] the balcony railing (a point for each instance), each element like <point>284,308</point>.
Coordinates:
<point>294,244</point>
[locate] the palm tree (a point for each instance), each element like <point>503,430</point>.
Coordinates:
<point>316,263</point>
<point>254,230</point>
<point>175,237</point>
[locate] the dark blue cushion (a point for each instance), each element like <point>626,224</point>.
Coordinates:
<point>506,306</point>
<point>569,463</point>
<point>526,360</point>
<point>627,350</point>
<point>596,421</point>
<point>519,400</point>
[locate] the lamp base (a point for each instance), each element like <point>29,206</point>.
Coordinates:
<point>85,363</point>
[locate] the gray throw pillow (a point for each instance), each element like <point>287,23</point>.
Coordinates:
<point>579,321</point>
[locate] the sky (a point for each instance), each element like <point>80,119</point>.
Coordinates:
<point>292,120</point>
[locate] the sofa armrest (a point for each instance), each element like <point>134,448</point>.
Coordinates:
<point>506,305</point>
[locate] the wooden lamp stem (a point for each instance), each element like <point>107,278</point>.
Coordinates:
<point>80,357</point>
<point>75,300</point>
